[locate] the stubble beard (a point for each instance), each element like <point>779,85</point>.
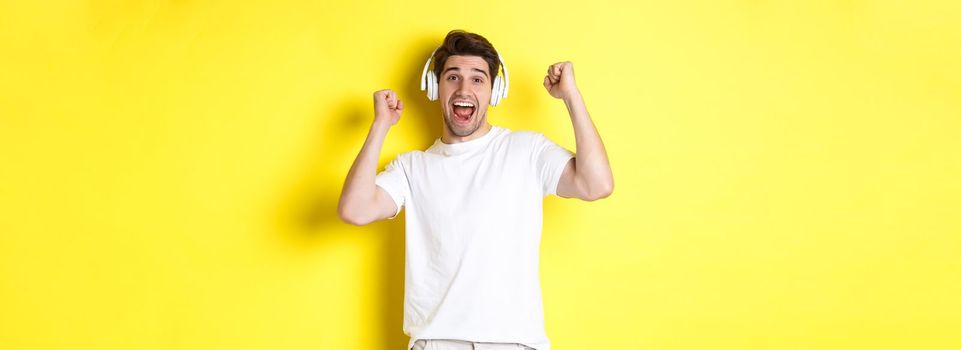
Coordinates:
<point>466,130</point>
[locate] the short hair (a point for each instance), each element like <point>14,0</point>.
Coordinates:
<point>463,43</point>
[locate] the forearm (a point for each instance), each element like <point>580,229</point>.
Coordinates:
<point>360,188</point>
<point>592,168</point>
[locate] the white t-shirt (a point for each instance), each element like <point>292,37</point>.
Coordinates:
<point>474,216</point>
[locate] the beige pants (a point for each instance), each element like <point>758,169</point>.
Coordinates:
<point>451,344</point>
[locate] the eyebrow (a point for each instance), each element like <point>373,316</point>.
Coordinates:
<point>473,69</point>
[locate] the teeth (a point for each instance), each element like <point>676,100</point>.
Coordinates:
<point>464,104</point>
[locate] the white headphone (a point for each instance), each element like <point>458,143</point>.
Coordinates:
<point>428,82</point>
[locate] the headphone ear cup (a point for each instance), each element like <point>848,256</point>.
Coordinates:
<point>500,89</point>
<point>496,91</point>
<point>432,86</point>
<point>436,88</point>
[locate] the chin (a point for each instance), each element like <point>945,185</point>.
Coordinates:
<point>462,130</point>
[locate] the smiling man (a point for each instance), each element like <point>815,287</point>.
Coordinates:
<point>474,200</point>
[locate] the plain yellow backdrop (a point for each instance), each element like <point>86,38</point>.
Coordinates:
<point>788,173</point>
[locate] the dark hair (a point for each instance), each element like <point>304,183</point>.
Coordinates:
<point>462,43</point>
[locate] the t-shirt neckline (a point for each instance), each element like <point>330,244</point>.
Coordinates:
<point>450,149</point>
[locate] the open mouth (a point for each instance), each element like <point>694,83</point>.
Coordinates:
<point>463,110</point>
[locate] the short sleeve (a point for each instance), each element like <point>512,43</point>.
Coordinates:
<point>394,181</point>
<point>550,160</point>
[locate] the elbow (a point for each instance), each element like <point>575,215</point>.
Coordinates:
<point>600,191</point>
<point>351,216</point>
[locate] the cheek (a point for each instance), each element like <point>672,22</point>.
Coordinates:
<point>482,90</point>
<point>485,93</point>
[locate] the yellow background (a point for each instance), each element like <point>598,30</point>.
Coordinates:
<point>788,174</point>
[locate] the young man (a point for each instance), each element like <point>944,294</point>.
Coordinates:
<point>474,202</point>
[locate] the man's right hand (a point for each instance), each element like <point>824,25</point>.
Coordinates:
<point>387,106</point>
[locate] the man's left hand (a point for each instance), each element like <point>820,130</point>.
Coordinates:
<point>559,81</point>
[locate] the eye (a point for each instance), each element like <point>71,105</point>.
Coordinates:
<point>451,77</point>
<point>478,80</point>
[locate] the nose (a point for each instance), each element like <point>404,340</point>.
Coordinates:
<point>463,87</point>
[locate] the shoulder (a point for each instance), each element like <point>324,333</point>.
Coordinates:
<point>527,136</point>
<point>410,155</point>
<point>405,159</point>
<point>529,139</point>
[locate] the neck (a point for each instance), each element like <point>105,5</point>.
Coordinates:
<point>449,138</point>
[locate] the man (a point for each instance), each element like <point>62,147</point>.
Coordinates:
<point>474,202</point>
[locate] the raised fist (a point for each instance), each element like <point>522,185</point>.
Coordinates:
<point>559,81</point>
<point>387,106</point>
